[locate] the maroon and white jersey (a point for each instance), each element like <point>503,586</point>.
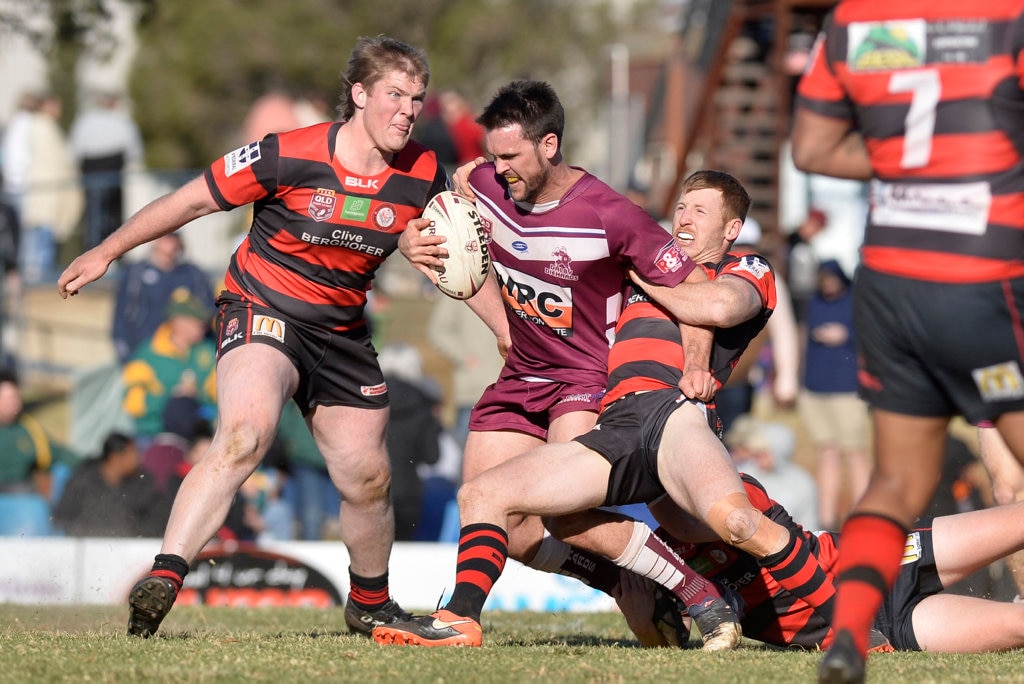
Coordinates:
<point>562,271</point>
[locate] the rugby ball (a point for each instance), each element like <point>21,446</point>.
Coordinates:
<point>455,218</point>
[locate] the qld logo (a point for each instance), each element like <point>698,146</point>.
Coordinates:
<point>322,204</point>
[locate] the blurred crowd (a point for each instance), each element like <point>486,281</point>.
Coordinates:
<point>791,412</point>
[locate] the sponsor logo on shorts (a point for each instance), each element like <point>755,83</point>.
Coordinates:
<point>384,216</point>
<point>269,327</point>
<point>355,208</point>
<point>912,549</point>
<point>232,327</point>
<point>670,258</point>
<point>321,204</point>
<point>243,157</point>
<point>373,390</point>
<point>580,397</point>
<point>1001,381</point>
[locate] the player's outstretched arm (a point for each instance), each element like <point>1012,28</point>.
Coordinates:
<point>829,146</point>
<point>161,216</point>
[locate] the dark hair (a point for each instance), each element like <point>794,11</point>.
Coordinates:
<point>115,443</point>
<point>735,200</point>
<point>8,375</point>
<point>533,105</point>
<point>371,59</point>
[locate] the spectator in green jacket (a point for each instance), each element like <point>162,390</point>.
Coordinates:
<point>27,452</point>
<point>178,360</point>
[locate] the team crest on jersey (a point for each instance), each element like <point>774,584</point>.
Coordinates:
<point>880,46</point>
<point>322,203</point>
<point>243,157</point>
<point>752,264</point>
<point>562,267</point>
<point>486,224</point>
<point>384,216</point>
<point>670,258</point>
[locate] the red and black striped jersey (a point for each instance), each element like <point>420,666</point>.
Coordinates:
<point>647,353</point>
<point>936,88</point>
<point>769,613</point>
<point>319,232</point>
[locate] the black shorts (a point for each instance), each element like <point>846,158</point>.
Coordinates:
<point>627,434</point>
<point>917,580</point>
<point>335,368</point>
<point>938,349</point>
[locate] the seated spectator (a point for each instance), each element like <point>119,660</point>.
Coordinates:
<point>263,490</point>
<point>164,456</point>
<point>243,522</point>
<point>110,496</point>
<point>764,450</point>
<point>177,361</point>
<point>27,453</point>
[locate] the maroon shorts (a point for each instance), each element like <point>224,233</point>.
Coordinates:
<point>335,368</point>
<point>529,406</point>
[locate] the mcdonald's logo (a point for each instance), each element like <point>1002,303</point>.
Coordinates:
<point>1001,381</point>
<point>271,327</point>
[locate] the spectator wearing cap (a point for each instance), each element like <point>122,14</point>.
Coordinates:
<point>146,287</point>
<point>764,450</point>
<point>177,361</point>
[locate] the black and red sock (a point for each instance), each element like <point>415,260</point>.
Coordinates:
<point>171,567</point>
<point>483,550</point>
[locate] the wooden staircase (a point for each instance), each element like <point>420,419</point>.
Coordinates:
<point>729,98</point>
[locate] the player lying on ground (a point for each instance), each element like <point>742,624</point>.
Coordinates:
<point>649,440</point>
<point>916,615</point>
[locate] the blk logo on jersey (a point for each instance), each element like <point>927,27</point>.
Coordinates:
<point>362,183</point>
<point>321,204</point>
<point>670,258</point>
<point>533,300</point>
<point>243,157</point>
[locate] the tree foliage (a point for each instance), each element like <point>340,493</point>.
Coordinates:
<point>202,63</point>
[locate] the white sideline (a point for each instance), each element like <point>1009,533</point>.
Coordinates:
<point>101,571</point>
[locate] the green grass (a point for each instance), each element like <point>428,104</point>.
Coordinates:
<point>199,644</point>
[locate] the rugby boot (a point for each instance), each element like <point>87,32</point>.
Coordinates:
<point>361,621</point>
<point>441,628</point>
<point>718,623</point>
<point>668,617</point>
<point>149,603</point>
<point>842,664</point>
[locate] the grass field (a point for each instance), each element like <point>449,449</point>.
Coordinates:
<point>88,643</point>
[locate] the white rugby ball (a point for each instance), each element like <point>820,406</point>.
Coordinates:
<point>455,218</point>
